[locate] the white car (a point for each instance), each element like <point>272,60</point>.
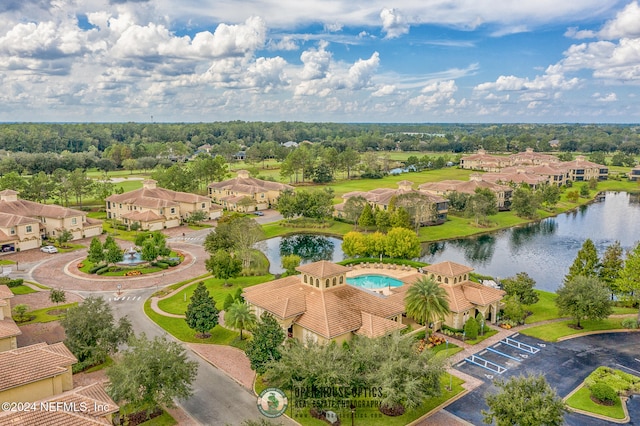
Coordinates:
<point>48,249</point>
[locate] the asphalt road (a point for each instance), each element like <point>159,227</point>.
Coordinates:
<point>217,399</point>
<point>565,365</point>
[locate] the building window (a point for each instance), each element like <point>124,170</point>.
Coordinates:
<point>108,204</point>
<point>74,220</point>
<point>173,210</point>
<point>341,279</point>
<point>317,283</point>
<point>305,279</point>
<point>455,280</point>
<point>13,231</point>
<point>439,278</point>
<point>334,281</point>
<point>203,205</point>
<point>44,220</point>
<point>29,228</point>
<point>120,205</point>
<point>446,280</point>
<point>326,283</point>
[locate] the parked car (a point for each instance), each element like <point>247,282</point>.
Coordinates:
<point>258,213</point>
<point>48,249</point>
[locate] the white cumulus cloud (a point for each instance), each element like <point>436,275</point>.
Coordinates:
<point>393,23</point>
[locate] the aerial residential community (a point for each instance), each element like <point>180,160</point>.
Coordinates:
<point>320,213</point>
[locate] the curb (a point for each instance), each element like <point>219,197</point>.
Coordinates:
<point>623,401</point>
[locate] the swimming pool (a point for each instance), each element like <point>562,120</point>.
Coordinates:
<point>374,281</point>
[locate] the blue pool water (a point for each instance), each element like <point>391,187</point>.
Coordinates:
<point>374,281</point>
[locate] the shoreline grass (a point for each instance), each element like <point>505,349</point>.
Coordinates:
<point>553,331</point>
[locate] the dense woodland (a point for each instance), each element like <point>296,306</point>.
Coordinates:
<point>148,139</point>
<point>162,150</point>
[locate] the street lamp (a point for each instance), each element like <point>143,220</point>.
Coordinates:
<point>119,286</point>
<point>482,327</point>
<point>353,413</point>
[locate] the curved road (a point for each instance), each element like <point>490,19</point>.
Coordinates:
<point>217,399</point>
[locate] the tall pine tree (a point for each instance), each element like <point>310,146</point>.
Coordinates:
<point>586,263</point>
<point>202,314</point>
<point>611,266</point>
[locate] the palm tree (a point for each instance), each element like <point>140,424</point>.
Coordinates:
<point>239,315</point>
<point>426,301</point>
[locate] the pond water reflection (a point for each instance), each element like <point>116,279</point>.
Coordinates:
<point>546,249</point>
<point>310,247</point>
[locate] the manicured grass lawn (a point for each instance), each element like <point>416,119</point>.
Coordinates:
<point>582,401</point>
<point>7,262</point>
<point>552,332</point>
<point>97,215</point>
<point>371,416</point>
<point>488,332</point>
<point>41,315</point>
<point>164,420</point>
<point>545,309</point>
<point>177,304</point>
<point>179,329</point>
<point>441,351</point>
<point>281,228</point>
<point>618,380</point>
<point>22,289</point>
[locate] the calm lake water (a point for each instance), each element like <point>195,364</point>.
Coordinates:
<point>544,250</point>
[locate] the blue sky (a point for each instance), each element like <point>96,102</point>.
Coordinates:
<point>345,61</point>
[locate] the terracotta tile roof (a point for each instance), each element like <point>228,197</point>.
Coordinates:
<point>449,269</point>
<point>327,315</point>
<point>79,409</point>
<point>33,363</point>
<point>249,185</point>
<point>8,220</point>
<point>283,304</point>
<point>375,326</point>
<point>8,328</point>
<point>143,216</point>
<point>31,209</point>
<point>322,269</point>
<point>528,178</point>
<point>466,187</point>
<point>51,418</point>
<point>457,300</point>
<point>327,312</point>
<point>156,197</point>
<point>91,395</point>
<point>479,294</point>
<point>5,292</point>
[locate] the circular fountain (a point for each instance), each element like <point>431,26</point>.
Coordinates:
<point>131,257</point>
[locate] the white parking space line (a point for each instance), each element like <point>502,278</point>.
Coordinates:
<point>627,368</point>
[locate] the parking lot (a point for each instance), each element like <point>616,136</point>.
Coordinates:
<point>564,364</point>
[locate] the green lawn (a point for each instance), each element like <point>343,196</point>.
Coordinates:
<point>553,331</point>
<point>164,420</point>
<point>618,380</point>
<point>373,417</point>
<point>22,289</point>
<point>582,401</point>
<point>177,304</point>
<point>545,309</point>
<point>7,262</point>
<point>178,328</point>
<point>488,332</point>
<point>282,228</point>
<point>42,315</point>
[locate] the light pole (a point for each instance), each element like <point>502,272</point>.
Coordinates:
<point>482,327</point>
<point>353,413</point>
<point>119,286</point>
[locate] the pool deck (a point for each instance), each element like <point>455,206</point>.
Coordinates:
<point>406,274</point>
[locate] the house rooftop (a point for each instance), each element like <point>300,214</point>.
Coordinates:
<point>33,363</point>
<point>322,269</point>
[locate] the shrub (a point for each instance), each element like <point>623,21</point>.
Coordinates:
<point>20,312</point>
<point>102,270</point>
<point>471,328</point>
<point>631,323</point>
<point>94,269</point>
<point>603,393</point>
<point>162,265</point>
<point>15,283</point>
